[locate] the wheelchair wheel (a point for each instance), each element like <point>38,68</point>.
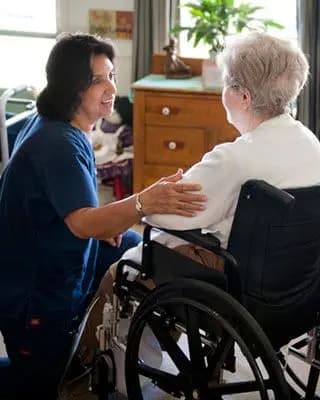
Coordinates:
<point>213,326</point>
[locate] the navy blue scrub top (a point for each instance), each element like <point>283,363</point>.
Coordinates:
<point>44,269</point>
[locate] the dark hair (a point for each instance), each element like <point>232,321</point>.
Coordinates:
<point>69,73</point>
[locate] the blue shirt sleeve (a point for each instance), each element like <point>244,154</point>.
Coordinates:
<point>68,172</point>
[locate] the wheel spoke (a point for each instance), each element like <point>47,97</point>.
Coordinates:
<point>169,345</point>
<point>218,356</point>
<point>165,381</point>
<point>194,342</point>
<point>232,387</point>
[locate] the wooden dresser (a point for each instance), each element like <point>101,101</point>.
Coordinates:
<point>175,123</point>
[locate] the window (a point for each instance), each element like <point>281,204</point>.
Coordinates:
<point>283,12</point>
<point>27,34</point>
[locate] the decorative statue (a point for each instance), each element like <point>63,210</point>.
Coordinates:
<point>174,68</point>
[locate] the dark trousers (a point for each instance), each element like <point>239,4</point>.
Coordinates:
<point>38,355</point>
<point>39,350</point>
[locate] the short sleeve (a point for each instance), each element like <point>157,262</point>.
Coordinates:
<point>68,174</point>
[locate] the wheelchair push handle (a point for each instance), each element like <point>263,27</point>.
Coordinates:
<point>260,187</point>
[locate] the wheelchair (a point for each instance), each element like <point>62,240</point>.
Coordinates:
<point>204,321</point>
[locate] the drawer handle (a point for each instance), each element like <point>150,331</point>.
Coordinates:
<point>171,145</point>
<point>165,111</point>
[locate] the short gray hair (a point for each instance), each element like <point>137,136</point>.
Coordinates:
<point>273,70</point>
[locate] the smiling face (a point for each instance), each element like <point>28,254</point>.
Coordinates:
<point>97,101</point>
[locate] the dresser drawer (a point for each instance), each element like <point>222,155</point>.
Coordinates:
<point>179,111</point>
<point>152,173</point>
<point>174,146</point>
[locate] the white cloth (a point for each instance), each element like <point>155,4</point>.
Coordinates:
<point>281,151</point>
<point>105,146</point>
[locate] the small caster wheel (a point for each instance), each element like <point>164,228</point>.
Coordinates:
<point>103,375</point>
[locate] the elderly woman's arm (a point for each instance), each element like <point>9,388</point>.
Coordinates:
<point>220,181</point>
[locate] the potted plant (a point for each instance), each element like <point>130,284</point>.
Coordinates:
<point>214,20</point>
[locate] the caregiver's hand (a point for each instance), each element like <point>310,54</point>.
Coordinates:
<point>168,196</point>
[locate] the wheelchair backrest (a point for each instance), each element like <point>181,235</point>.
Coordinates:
<point>275,238</point>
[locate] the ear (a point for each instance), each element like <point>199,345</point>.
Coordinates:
<point>246,99</point>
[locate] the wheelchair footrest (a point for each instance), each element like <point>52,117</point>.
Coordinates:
<point>306,348</point>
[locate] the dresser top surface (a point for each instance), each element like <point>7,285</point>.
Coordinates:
<point>160,82</point>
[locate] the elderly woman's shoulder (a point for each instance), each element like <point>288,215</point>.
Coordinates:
<point>230,147</point>
<point>227,151</point>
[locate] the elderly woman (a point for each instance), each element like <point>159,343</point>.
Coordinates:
<point>262,75</point>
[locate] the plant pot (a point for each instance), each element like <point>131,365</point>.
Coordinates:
<point>211,73</point>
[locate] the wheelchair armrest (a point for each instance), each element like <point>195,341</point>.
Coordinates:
<point>207,241</point>
<point>121,282</point>
<point>195,236</point>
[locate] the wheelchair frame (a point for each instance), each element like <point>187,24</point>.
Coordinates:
<point>132,300</point>
<point>216,296</point>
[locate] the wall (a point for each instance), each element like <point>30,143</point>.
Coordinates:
<point>74,17</point>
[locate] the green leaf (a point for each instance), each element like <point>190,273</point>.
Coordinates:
<point>269,22</point>
<point>178,29</point>
<point>213,20</point>
<point>196,13</point>
<point>190,34</point>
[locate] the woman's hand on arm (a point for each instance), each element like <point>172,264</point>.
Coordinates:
<point>168,196</point>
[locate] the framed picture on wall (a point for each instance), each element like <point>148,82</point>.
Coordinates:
<point>111,23</point>
<point>124,24</point>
